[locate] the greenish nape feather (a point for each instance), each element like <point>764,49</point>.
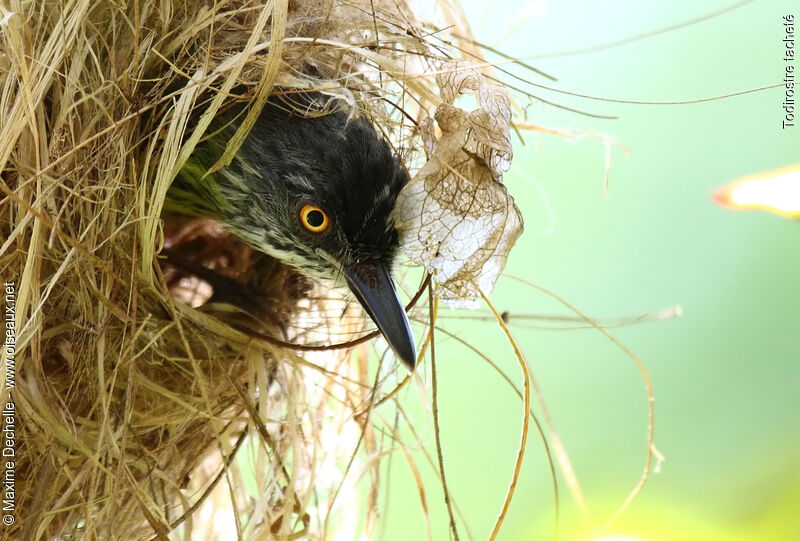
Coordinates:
<point>194,191</point>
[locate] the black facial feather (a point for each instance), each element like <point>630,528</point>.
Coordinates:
<point>325,159</point>
<point>315,191</point>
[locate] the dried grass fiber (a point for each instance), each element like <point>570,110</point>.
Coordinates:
<point>129,401</point>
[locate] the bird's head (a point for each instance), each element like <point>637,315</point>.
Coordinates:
<point>317,191</point>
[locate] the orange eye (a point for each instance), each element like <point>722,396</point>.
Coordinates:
<point>314,219</point>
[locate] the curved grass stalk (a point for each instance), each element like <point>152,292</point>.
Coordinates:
<point>652,451</point>
<point>525,419</point>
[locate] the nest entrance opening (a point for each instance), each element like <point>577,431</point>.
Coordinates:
<point>202,263</point>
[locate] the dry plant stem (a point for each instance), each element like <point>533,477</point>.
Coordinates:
<point>407,378</point>
<point>503,55</point>
<point>353,455</point>
<point>558,447</point>
<point>515,319</point>
<point>434,467</point>
<point>539,427</point>
<point>577,135</point>
<point>525,418</point>
<point>421,355</point>
<point>474,52</point>
<point>638,37</point>
<point>433,304</point>
<point>552,103</point>
<point>361,355</point>
<point>210,488</point>
<point>509,60</point>
<point>613,100</point>
<point>642,102</point>
<point>276,12</point>
<point>412,466</point>
<point>44,221</point>
<point>261,429</point>
<point>651,448</point>
<point>341,345</point>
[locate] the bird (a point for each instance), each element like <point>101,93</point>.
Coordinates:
<point>312,186</point>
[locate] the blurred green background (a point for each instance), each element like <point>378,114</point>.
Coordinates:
<point>726,375</point>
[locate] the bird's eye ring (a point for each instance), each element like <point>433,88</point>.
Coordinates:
<point>314,218</point>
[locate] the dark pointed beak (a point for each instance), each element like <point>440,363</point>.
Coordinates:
<point>372,286</point>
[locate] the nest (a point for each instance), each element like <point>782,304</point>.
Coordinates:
<point>137,389</point>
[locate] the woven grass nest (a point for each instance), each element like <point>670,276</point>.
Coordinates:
<point>139,398</point>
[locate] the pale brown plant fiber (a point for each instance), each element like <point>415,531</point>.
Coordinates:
<point>130,402</point>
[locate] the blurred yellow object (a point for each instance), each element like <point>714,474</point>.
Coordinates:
<point>775,191</point>
<point>616,538</point>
